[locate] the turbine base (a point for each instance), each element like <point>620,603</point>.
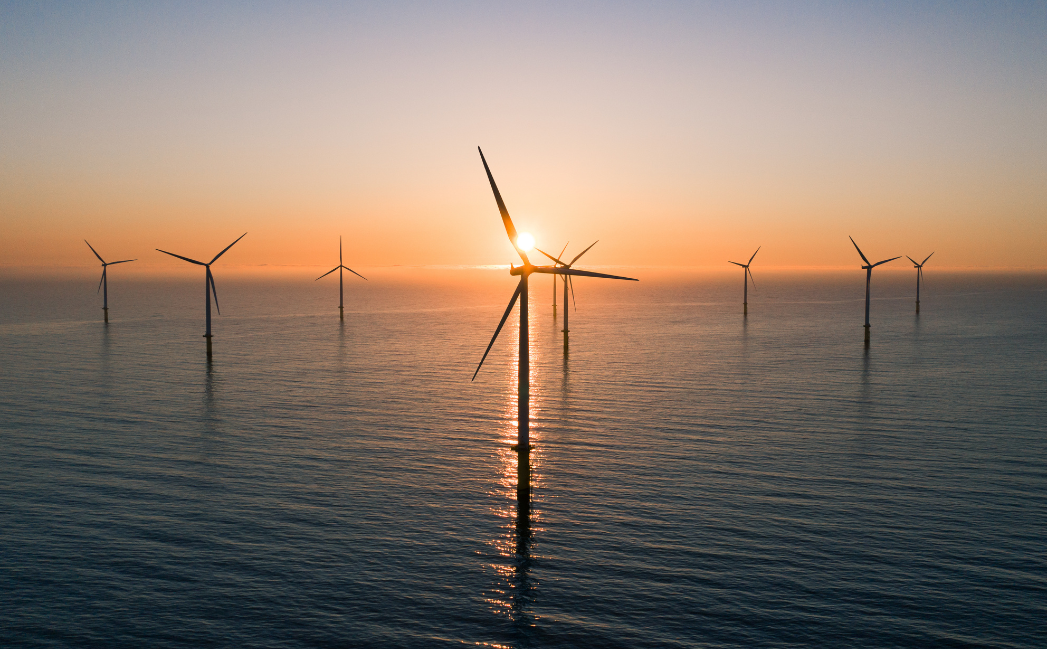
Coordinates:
<point>105,310</point>
<point>341,313</point>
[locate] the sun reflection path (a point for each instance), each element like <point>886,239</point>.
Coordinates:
<point>515,588</point>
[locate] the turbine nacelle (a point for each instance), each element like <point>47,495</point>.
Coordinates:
<point>523,269</point>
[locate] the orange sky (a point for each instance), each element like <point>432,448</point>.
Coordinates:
<point>676,135</point>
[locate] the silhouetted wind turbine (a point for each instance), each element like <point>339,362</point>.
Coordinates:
<point>868,279</point>
<point>522,243</point>
<point>918,265</point>
<point>746,276</point>
<point>208,286</point>
<point>554,284</point>
<point>339,267</point>
<point>567,281</point>
<point>104,282</point>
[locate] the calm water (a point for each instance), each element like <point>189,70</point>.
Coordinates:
<point>700,480</point>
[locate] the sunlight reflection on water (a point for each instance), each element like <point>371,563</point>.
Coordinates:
<point>698,479</point>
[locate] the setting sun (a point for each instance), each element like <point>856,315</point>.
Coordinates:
<point>525,241</point>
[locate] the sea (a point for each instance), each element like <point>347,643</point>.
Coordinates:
<point>699,478</point>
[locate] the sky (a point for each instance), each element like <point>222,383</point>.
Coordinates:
<point>677,134</point>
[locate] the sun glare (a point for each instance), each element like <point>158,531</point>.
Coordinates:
<point>525,241</point>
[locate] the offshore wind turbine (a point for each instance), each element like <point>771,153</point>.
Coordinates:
<point>567,281</point>
<point>522,243</point>
<point>868,268</point>
<point>919,275</point>
<point>746,276</point>
<point>554,283</point>
<point>103,284</point>
<point>208,286</point>
<point>339,267</point>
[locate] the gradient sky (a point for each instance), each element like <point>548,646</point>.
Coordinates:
<point>676,133</point>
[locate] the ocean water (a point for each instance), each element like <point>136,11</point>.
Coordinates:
<point>700,479</point>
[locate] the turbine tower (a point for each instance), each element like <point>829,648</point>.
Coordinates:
<point>554,283</point>
<point>868,268</point>
<point>522,243</point>
<point>103,284</point>
<point>208,287</point>
<point>339,267</point>
<point>746,276</point>
<point>567,281</point>
<point>919,275</point>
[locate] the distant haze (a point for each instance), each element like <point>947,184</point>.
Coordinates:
<point>678,134</point>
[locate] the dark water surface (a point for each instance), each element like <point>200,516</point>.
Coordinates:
<point>700,480</point>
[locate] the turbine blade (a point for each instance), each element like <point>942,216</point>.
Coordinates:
<point>754,255</point>
<point>858,249</point>
<point>339,250</point>
<point>925,260</point>
<point>354,273</point>
<point>737,264</point>
<point>101,280</point>
<point>122,261</point>
<point>327,273</point>
<point>100,256</point>
<point>228,247</point>
<point>570,282</point>
<point>885,261</point>
<point>191,261</point>
<point>505,316</point>
<point>579,255</point>
<point>553,270</point>
<point>751,278</point>
<point>214,291</point>
<point>556,259</point>
<point>915,263</point>
<point>510,229</point>
<point>564,248</point>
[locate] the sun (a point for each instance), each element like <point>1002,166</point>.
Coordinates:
<point>525,241</point>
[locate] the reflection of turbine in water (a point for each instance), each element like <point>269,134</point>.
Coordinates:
<point>209,407</point>
<point>522,243</point>
<point>868,268</point>
<point>514,590</point>
<point>567,281</point>
<point>103,284</point>
<point>339,267</point>
<point>746,276</point>
<point>918,265</point>
<point>208,286</point>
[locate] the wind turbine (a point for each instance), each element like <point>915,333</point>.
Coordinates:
<point>554,283</point>
<point>522,243</point>
<point>868,279</point>
<point>919,274</point>
<point>104,282</point>
<point>746,276</point>
<point>208,286</point>
<point>339,267</point>
<point>566,281</point>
